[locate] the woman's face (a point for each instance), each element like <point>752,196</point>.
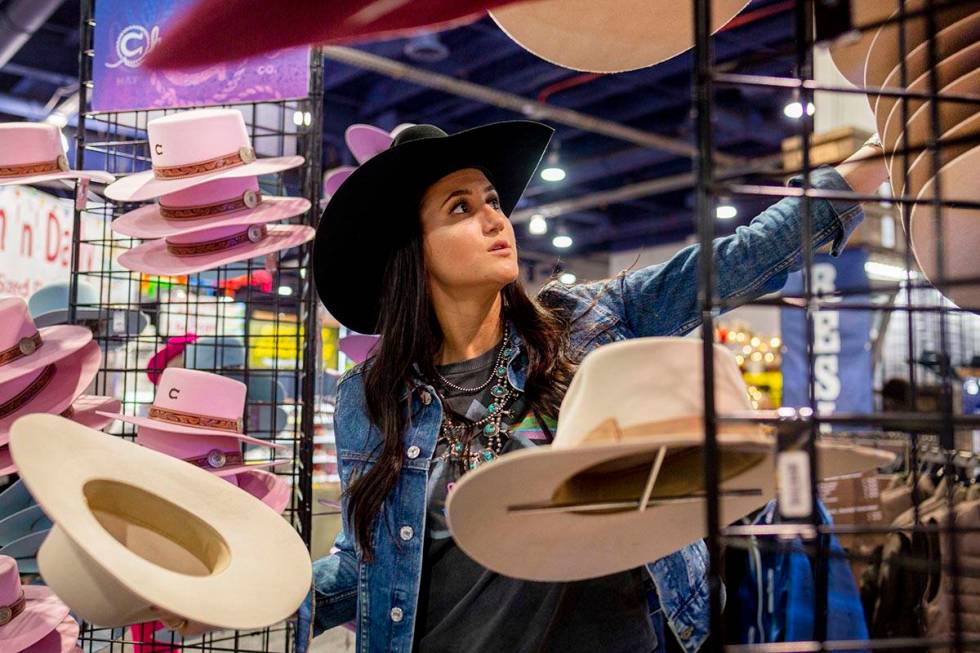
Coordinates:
<point>467,240</point>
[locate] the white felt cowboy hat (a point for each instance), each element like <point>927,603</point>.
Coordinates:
<point>623,484</point>
<point>607,36</point>
<point>140,536</point>
<point>193,147</point>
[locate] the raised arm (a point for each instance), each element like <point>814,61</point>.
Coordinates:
<point>662,299</point>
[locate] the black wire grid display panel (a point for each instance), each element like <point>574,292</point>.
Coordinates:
<point>289,343</point>
<point>930,328</point>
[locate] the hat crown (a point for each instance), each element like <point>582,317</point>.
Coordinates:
<point>17,322</point>
<point>645,380</point>
<point>9,581</point>
<point>28,142</point>
<point>191,137</point>
<point>417,133</point>
<point>54,297</point>
<point>200,393</point>
<point>211,192</point>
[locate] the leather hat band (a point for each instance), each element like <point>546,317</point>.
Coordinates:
<point>38,168</point>
<point>24,347</point>
<point>14,404</point>
<point>254,234</point>
<point>181,418</point>
<point>249,200</point>
<point>243,156</point>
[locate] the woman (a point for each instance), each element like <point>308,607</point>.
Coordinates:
<point>417,246</point>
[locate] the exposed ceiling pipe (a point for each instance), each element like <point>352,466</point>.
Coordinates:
<point>526,106</point>
<point>647,188</point>
<point>19,19</point>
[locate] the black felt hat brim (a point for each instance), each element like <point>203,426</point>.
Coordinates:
<point>369,216</point>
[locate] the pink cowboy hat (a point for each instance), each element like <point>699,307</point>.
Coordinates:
<point>175,347</point>
<point>204,249</point>
<point>217,454</point>
<point>192,147</point>
<point>270,489</point>
<point>41,370</point>
<point>365,141</point>
<point>32,154</point>
<point>31,615</point>
<point>358,347</point>
<point>333,179</point>
<point>93,411</point>
<point>192,402</point>
<point>218,203</point>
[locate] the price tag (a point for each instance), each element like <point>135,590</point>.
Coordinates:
<point>81,194</point>
<point>795,498</point>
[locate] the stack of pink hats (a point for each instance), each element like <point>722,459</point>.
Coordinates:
<point>32,618</point>
<point>198,417</point>
<point>46,370</point>
<point>32,154</point>
<point>210,210</point>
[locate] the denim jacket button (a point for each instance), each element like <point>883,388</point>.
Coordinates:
<point>426,397</point>
<point>396,614</point>
<point>413,452</point>
<point>406,533</point>
<point>687,632</point>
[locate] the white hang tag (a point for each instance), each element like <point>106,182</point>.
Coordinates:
<point>793,475</point>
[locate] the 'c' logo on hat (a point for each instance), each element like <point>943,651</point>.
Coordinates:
<point>158,148</point>
<point>173,393</point>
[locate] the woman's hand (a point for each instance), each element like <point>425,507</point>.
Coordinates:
<point>865,170</point>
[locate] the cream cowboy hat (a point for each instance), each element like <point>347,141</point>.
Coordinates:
<point>607,36</point>
<point>140,536</point>
<point>623,483</point>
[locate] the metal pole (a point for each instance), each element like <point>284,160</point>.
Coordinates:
<point>530,108</point>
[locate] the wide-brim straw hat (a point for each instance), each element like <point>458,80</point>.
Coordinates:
<point>140,536</point>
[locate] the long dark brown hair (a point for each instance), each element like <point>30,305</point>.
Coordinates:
<point>411,336</point>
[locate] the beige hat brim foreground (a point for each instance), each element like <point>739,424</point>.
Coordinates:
<point>145,186</point>
<point>558,543</point>
<point>141,536</point>
<point>607,36</point>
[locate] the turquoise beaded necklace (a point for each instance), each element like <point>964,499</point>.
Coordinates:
<point>494,424</point>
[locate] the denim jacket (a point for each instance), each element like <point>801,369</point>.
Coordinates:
<point>659,300</point>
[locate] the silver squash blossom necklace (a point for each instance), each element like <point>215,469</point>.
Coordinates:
<point>494,424</point>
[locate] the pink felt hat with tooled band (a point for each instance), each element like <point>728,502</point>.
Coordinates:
<point>41,370</point>
<point>212,247</point>
<point>222,457</point>
<point>31,153</point>
<point>192,402</point>
<point>192,147</point>
<point>232,201</point>
<point>32,618</point>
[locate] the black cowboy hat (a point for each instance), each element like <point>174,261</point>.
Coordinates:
<point>369,216</point>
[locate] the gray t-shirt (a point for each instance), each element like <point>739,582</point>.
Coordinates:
<point>466,608</point>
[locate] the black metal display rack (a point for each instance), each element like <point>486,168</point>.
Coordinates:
<point>275,292</point>
<point>935,336</point>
